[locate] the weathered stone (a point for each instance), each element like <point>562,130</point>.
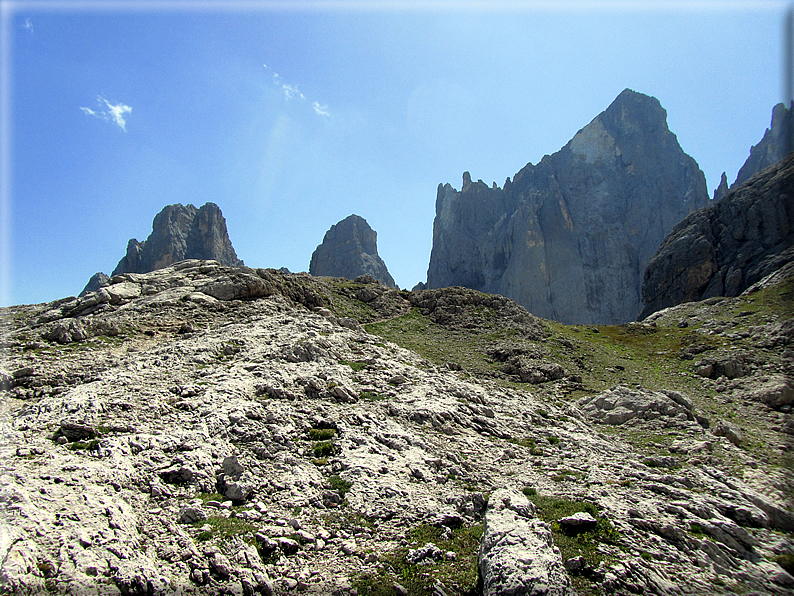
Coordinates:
<point>727,247</point>
<point>350,249</point>
<point>620,404</point>
<point>578,522</point>
<point>181,232</point>
<point>570,237</point>
<point>97,281</point>
<point>517,555</point>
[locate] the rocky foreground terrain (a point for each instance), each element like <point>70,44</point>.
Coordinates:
<point>202,429</point>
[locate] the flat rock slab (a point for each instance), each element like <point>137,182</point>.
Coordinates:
<point>517,556</point>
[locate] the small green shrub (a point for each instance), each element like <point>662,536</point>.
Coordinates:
<point>324,448</point>
<point>529,491</point>
<point>356,366</point>
<point>321,434</point>
<point>697,530</point>
<point>225,527</point>
<point>553,440</point>
<point>340,485</point>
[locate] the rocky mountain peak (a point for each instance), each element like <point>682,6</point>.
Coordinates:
<point>181,232</point>
<point>350,249</point>
<point>569,238</point>
<point>774,146</point>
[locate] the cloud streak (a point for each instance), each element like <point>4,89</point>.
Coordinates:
<point>292,92</point>
<point>110,112</point>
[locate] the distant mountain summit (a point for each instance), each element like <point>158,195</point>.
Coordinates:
<point>350,249</point>
<point>777,142</point>
<point>181,232</point>
<point>570,237</point>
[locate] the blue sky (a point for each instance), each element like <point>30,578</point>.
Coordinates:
<point>292,116</point>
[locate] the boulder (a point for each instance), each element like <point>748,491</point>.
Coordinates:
<point>621,404</point>
<point>517,555</point>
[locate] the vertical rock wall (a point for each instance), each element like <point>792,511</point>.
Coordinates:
<point>570,237</point>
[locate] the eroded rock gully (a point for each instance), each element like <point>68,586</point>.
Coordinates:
<point>208,430</point>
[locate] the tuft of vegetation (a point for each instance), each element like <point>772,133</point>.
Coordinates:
<point>92,445</point>
<point>371,396</point>
<point>324,449</point>
<point>356,366</point>
<point>340,485</point>
<point>785,561</point>
<point>583,544</point>
<point>224,527</point>
<point>321,434</point>
<point>456,575</point>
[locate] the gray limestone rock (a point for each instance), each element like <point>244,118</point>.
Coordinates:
<point>350,249</point>
<point>726,248</point>
<point>181,232</point>
<point>517,556</point>
<point>621,404</point>
<point>773,147</point>
<point>97,281</point>
<point>570,237</point>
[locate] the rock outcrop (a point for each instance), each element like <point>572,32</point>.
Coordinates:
<point>725,248</point>
<point>181,232</point>
<point>775,145</point>
<point>97,280</point>
<point>570,237</point>
<point>350,249</point>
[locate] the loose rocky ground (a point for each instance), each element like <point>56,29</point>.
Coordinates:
<point>208,430</point>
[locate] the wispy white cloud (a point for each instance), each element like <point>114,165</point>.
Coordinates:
<point>28,24</point>
<point>292,92</point>
<point>321,110</point>
<point>110,112</point>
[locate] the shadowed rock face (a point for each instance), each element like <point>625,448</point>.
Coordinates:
<point>181,232</point>
<point>771,149</point>
<point>569,238</point>
<point>96,282</point>
<point>350,249</point>
<point>724,249</point>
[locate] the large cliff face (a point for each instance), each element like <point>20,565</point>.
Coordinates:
<point>724,249</point>
<point>181,232</point>
<point>570,237</point>
<point>350,249</point>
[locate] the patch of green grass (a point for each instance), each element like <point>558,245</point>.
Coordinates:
<point>224,527</point>
<point>697,530</point>
<point>371,396</point>
<point>356,366</point>
<point>456,576</point>
<point>529,491</point>
<point>92,445</point>
<point>321,434</point>
<point>340,485</point>
<point>324,449</point>
<point>553,440</point>
<point>584,544</point>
